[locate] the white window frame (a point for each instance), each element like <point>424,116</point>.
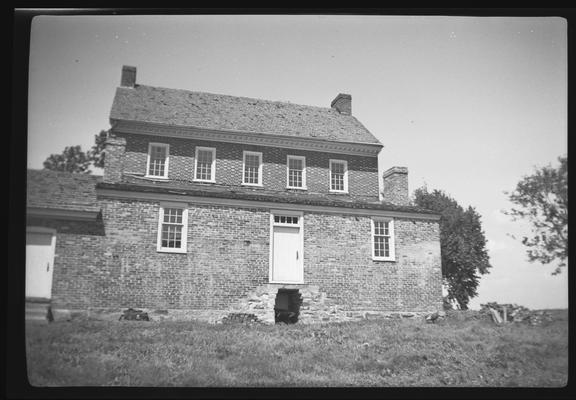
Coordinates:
<point>259,154</point>
<point>303,159</point>
<point>345,175</point>
<point>184,242</point>
<point>166,165</point>
<point>392,254</point>
<point>213,167</point>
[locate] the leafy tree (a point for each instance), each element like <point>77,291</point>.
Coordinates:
<point>73,159</point>
<point>96,153</point>
<point>542,199</point>
<point>462,244</point>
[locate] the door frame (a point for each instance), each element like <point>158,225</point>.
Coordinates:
<point>300,225</point>
<point>52,232</point>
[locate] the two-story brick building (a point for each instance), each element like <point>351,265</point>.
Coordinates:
<point>212,205</point>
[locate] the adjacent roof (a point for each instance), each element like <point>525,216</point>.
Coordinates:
<point>257,194</point>
<point>230,113</point>
<point>64,191</point>
<point>61,191</point>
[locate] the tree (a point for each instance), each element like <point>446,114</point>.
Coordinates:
<point>462,244</point>
<point>96,153</point>
<point>542,199</point>
<point>74,160</point>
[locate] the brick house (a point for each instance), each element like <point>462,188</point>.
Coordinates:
<point>215,206</point>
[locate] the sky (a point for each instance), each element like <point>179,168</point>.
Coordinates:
<point>469,105</point>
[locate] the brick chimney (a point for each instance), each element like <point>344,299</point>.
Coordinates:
<point>114,151</point>
<point>395,189</point>
<point>128,76</point>
<point>342,103</point>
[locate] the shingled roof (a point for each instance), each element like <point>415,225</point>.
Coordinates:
<point>257,194</point>
<point>61,191</point>
<point>230,113</point>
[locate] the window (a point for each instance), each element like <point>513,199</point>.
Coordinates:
<point>252,168</point>
<point>296,167</point>
<point>338,176</point>
<point>286,219</point>
<point>157,160</point>
<point>205,169</point>
<point>383,239</point>
<point>172,228</point>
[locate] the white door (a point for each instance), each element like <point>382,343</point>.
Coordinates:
<point>39,263</point>
<point>287,265</point>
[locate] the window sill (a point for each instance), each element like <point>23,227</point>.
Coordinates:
<point>296,188</point>
<point>176,251</point>
<point>338,191</point>
<point>389,259</point>
<point>253,184</point>
<point>286,282</point>
<point>203,181</point>
<point>159,178</point>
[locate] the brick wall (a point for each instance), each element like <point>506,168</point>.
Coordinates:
<point>78,261</point>
<point>228,257</point>
<point>338,256</point>
<point>362,170</point>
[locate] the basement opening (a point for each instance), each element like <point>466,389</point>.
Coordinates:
<point>287,306</point>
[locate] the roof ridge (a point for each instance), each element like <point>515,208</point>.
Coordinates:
<point>233,96</point>
<point>64,173</point>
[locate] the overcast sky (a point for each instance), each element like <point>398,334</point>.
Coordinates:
<point>468,104</point>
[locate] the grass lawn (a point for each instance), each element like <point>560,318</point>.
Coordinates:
<point>461,350</point>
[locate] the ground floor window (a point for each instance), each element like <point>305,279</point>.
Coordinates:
<point>383,239</point>
<point>172,228</point>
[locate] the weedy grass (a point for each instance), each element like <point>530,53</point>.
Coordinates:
<point>460,350</point>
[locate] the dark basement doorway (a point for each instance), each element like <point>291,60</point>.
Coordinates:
<point>287,306</point>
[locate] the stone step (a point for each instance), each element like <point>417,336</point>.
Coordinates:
<point>37,312</point>
<point>36,320</point>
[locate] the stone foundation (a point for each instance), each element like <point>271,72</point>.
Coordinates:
<point>316,308</point>
<point>156,315</point>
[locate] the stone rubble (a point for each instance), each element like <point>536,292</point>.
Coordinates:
<point>515,313</point>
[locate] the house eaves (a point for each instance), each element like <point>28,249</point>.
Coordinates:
<point>260,199</point>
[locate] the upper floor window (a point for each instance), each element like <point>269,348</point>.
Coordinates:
<point>338,176</point>
<point>157,165</point>
<point>252,171</point>
<point>383,239</point>
<point>172,228</point>
<point>296,167</point>
<point>205,169</point>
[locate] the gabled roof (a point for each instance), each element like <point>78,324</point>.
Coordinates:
<point>230,113</point>
<point>52,190</point>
